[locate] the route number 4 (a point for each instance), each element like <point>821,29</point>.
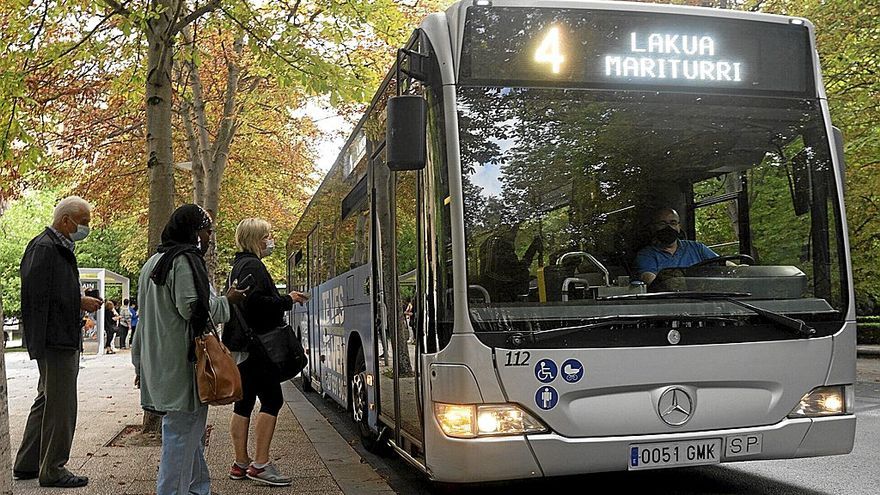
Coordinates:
<point>549,51</point>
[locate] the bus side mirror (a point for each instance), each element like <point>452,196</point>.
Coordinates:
<point>406,146</point>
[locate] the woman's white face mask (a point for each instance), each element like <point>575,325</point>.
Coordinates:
<point>270,246</point>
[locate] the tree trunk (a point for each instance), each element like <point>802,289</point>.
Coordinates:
<point>220,150</point>
<point>192,146</point>
<point>160,160</point>
<point>210,159</point>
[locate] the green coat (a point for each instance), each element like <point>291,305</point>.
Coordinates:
<point>160,345</point>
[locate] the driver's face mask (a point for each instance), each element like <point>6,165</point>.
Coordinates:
<point>666,236</point>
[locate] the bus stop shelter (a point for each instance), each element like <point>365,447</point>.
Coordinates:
<point>100,278</point>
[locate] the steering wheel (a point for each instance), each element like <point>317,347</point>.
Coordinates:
<point>723,259</point>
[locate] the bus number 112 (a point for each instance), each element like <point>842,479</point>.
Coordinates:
<point>517,358</point>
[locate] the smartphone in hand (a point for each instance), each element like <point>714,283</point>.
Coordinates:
<point>245,283</point>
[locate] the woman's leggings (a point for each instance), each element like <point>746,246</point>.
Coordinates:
<point>257,381</point>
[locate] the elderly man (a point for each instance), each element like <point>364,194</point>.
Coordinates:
<point>51,320</point>
<point>666,249</point>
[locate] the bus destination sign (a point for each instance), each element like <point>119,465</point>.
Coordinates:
<point>624,50</point>
<point>674,57</point>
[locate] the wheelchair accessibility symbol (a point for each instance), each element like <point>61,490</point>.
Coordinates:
<point>546,370</point>
<point>572,370</point>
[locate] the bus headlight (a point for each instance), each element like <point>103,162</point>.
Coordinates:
<point>471,420</point>
<point>823,401</point>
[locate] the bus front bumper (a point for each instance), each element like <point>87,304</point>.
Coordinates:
<point>492,459</point>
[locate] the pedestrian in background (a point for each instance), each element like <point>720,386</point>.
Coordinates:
<point>176,303</point>
<point>88,325</point>
<point>111,319</point>
<point>51,320</point>
<point>124,322</point>
<point>263,310</point>
<point>134,320</point>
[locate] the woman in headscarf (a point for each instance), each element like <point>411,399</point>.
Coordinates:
<point>176,305</point>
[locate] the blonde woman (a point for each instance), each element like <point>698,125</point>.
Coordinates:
<point>263,310</point>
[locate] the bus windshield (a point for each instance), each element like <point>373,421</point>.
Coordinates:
<point>563,188</point>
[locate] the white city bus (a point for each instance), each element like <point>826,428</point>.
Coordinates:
<point>472,254</point>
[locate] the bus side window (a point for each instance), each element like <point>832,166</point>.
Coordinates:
<point>716,220</point>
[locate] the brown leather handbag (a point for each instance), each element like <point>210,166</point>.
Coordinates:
<point>217,375</point>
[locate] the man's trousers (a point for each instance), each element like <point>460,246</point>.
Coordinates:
<point>48,435</point>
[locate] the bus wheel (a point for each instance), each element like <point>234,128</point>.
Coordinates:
<point>360,406</point>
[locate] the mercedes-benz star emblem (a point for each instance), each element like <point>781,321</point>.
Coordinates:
<point>675,406</point>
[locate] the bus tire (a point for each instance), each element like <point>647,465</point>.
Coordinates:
<point>360,408</point>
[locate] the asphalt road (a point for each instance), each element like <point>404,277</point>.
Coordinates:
<point>853,474</point>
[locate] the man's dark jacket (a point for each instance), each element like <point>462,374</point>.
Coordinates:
<point>50,296</point>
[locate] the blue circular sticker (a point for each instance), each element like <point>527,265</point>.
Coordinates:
<point>546,397</point>
<point>572,370</point>
<point>546,370</point>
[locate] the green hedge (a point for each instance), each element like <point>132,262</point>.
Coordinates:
<point>868,333</point>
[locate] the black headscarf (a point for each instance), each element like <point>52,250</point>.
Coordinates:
<point>180,237</point>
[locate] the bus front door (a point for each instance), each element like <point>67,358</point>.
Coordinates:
<point>407,230</point>
<point>314,304</point>
<point>396,210</point>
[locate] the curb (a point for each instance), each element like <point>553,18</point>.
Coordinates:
<point>351,473</point>
<point>872,351</point>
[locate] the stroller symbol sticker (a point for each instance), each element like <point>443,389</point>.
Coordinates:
<point>572,371</point>
<point>546,397</point>
<point>545,370</point>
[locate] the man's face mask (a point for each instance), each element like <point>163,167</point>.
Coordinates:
<point>81,232</point>
<point>666,236</point>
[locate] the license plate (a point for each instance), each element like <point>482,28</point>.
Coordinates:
<point>670,454</point>
<point>741,445</point>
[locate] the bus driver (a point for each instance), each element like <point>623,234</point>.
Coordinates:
<point>666,249</point>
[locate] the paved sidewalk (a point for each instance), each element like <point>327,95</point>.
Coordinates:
<point>305,446</point>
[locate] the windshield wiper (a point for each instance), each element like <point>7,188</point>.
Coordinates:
<point>598,322</point>
<point>798,326</point>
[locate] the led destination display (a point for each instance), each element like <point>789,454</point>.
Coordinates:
<point>612,49</point>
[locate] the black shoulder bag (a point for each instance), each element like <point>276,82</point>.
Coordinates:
<point>282,350</point>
